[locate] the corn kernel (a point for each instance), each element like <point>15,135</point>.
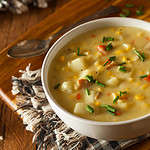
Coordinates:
<point>118,52</point>
<point>99,89</point>
<point>144,86</point>
<point>62,58</point>
<point>118,32</point>
<point>75,77</point>
<point>139,97</point>
<point>127,46</point>
<point>97,103</point>
<point>124,58</point>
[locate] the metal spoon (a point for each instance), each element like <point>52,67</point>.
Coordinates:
<point>29,48</point>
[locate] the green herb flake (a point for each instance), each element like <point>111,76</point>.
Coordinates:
<point>143,76</point>
<point>109,47</point>
<point>109,108</point>
<point>140,11</point>
<point>90,78</point>
<point>115,99</point>
<point>140,55</point>
<point>112,113</point>
<point>122,68</point>
<point>78,52</point>
<point>107,39</point>
<point>100,84</point>
<point>112,58</point>
<point>125,13</point>
<point>123,63</point>
<point>87,91</point>
<point>56,86</point>
<point>90,109</point>
<point>129,5</point>
<point>123,92</point>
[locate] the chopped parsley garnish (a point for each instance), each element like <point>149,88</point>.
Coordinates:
<point>56,86</point>
<point>99,83</point>
<point>122,93</point>
<point>110,59</point>
<point>87,91</point>
<point>140,11</point>
<point>143,76</point>
<point>122,68</point>
<point>109,47</point>
<point>123,63</point>
<point>109,108</point>
<point>129,5</point>
<point>107,39</point>
<point>90,78</point>
<point>125,13</point>
<point>116,99</point>
<point>78,52</point>
<point>90,109</point>
<point>140,55</point>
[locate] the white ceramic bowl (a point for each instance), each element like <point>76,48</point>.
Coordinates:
<point>99,130</point>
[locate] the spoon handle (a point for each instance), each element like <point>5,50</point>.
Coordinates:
<point>102,13</point>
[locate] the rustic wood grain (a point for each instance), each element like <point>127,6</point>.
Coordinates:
<point>66,12</point>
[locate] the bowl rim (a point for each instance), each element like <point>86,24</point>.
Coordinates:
<point>58,106</point>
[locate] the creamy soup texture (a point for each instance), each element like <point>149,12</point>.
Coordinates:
<point>104,74</point>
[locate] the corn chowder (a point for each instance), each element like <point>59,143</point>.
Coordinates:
<point>104,75</point>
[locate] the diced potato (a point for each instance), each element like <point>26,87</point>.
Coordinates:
<point>89,99</point>
<point>80,108</point>
<point>85,73</point>
<point>77,64</point>
<point>67,86</point>
<point>122,104</point>
<point>93,71</point>
<point>126,46</point>
<point>113,81</point>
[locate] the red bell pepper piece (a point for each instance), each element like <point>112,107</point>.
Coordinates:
<point>147,78</point>
<point>102,49</point>
<point>78,96</point>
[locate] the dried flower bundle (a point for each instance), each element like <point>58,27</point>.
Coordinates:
<point>20,6</point>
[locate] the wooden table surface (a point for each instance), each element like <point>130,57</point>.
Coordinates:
<point>11,26</point>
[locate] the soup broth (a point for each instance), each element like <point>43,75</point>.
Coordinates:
<point>104,74</point>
